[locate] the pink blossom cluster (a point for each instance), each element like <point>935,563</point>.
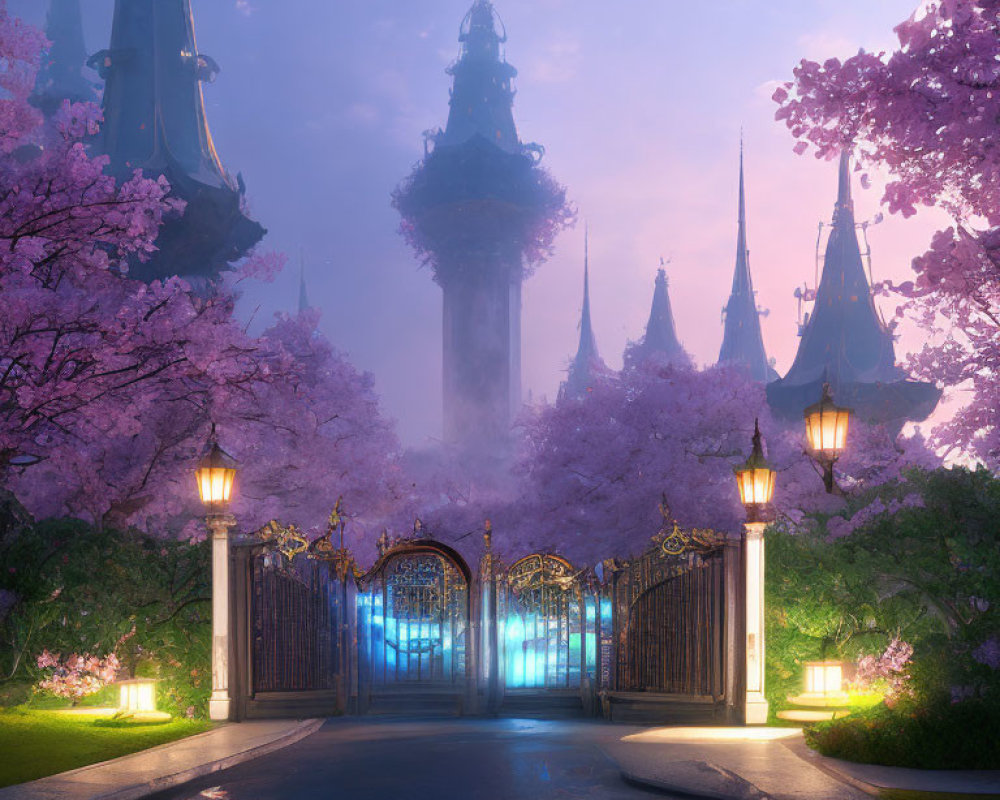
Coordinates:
<point>988,653</point>
<point>110,385</point>
<point>838,527</point>
<point>887,672</point>
<point>77,675</point>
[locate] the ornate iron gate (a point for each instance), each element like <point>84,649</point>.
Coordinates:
<point>415,615</point>
<point>292,625</point>
<point>294,614</point>
<point>544,625</point>
<point>670,610</point>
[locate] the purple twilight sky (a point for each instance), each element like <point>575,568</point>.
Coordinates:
<point>321,105</point>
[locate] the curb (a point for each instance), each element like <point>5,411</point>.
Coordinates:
<point>32,788</point>
<point>742,789</point>
<point>298,733</point>
<point>814,759</point>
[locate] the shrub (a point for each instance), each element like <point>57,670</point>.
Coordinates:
<point>936,734</point>
<point>76,589</point>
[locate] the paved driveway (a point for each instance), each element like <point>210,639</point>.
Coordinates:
<point>501,759</point>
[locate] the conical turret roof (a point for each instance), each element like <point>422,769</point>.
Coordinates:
<point>742,341</point>
<point>845,342</point>
<point>482,98</point>
<point>660,343</point>
<point>587,366</point>
<point>60,75</point>
<point>154,120</point>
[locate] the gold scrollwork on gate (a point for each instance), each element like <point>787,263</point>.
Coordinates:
<point>287,540</point>
<point>674,541</point>
<point>533,580</point>
<point>423,587</point>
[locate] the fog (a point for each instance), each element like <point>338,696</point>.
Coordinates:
<point>321,105</point>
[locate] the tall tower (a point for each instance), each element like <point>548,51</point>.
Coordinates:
<point>660,344</point>
<point>587,366</point>
<point>845,343</point>
<point>60,76</point>
<point>478,208</point>
<point>742,342</point>
<point>154,120</point>
<point>303,295</point>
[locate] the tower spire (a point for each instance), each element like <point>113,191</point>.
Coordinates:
<point>587,364</point>
<point>845,342</point>
<point>154,120</point>
<point>660,343</point>
<point>60,76</point>
<point>742,341</point>
<point>588,345</point>
<point>482,97</point>
<point>303,297</point>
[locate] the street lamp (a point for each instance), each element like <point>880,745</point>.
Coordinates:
<point>215,475</point>
<point>755,480</point>
<point>826,431</point>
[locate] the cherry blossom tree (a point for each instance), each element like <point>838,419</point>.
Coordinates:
<point>315,435</point>
<point>593,470</point>
<point>927,112</point>
<point>109,386</point>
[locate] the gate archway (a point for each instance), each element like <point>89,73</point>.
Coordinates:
<point>415,617</point>
<point>544,625</point>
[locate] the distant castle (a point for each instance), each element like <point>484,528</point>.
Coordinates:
<point>471,203</point>
<point>844,343</point>
<point>154,120</point>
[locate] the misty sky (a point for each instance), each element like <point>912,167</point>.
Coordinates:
<point>639,103</point>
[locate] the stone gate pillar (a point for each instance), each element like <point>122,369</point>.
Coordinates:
<point>755,706</point>
<point>219,702</point>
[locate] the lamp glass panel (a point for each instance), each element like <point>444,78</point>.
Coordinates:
<point>826,430</point>
<point>215,484</point>
<point>137,695</point>
<point>824,677</point>
<point>756,485</point>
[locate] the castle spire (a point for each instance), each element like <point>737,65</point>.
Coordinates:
<point>60,75</point>
<point>845,342</point>
<point>660,343</point>
<point>587,364</point>
<point>154,120</point>
<point>742,341</point>
<point>303,297</point>
<point>482,96</point>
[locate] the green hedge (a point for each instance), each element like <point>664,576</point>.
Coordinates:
<point>926,572</point>
<point>919,734</point>
<point>80,590</point>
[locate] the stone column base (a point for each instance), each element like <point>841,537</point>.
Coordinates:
<point>218,708</point>
<point>755,712</point>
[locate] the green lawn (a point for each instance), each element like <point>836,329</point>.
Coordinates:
<point>37,743</point>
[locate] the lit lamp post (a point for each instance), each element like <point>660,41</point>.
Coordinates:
<point>826,430</point>
<point>755,480</point>
<point>215,475</point>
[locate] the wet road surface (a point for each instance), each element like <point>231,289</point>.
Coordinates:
<point>498,759</point>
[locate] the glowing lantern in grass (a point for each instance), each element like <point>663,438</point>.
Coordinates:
<point>215,475</point>
<point>826,430</point>
<point>137,696</point>
<point>824,677</point>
